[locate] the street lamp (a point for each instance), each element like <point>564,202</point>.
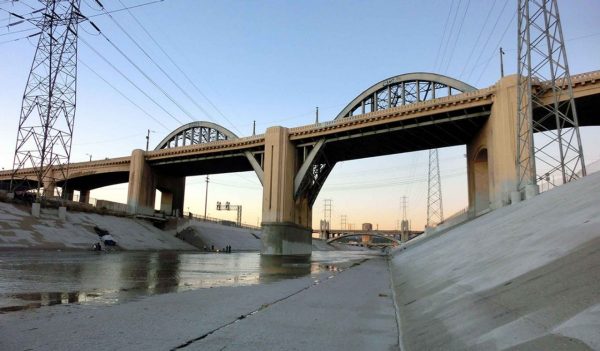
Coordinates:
<point>90,155</point>
<point>148,138</point>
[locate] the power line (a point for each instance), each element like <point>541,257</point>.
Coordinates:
<point>496,48</point>
<point>123,94</point>
<point>163,91</point>
<point>101,14</point>
<point>442,41</point>
<point>127,78</point>
<point>20,38</point>
<point>156,64</point>
<point>477,40</point>
<point>449,35</point>
<point>181,71</point>
<point>489,37</point>
<point>457,35</point>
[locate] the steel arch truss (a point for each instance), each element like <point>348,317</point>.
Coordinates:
<point>402,90</point>
<point>389,93</point>
<point>195,133</point>
<point>203,132</point>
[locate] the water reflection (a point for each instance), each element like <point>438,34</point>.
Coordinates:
<point>279,267</point>
<point>32,279</point>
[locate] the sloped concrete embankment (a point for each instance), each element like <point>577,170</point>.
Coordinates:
<point>18,229</point>
<point>525,276</point>
<point>208,234</point>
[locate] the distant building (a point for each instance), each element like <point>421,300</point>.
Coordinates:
<point>367,227</point>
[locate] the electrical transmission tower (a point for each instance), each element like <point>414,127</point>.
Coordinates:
<point>327,212</point>
<point>48,109</point>
<point>435,212</point>
<point>544,99</point>
<point>404,223</point>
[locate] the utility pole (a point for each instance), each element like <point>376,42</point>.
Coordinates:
<point>206,197</point>
<point>502,62</point>
<point>148,138</point>
<point>343,222</point>
<point>544,85</point>
<point>47,116</point>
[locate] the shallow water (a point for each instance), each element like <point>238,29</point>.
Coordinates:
<point>32,279</point>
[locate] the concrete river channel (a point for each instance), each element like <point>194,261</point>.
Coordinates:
<point>33,278</point>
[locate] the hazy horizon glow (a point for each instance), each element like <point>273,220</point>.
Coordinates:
<point>273,62</point>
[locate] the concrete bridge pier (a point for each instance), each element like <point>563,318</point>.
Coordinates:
<point>286,221</point>
<point>142,184</point>
<point>68,194</point>
<point>172,191</point>
<point>49,187</point>
<point>491,155</point>
<point>84,196</point>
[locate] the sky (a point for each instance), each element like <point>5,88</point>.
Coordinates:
<point>273,62</point>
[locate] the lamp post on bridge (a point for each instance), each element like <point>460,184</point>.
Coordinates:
<point>148,138</point>
<point>90,155</point>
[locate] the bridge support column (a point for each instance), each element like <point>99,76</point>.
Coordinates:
<point>491,155</point>
<point>286,222</point>
<point>84,196</point>
<point>68,194</point>
<point>49,187</point>
<point>142,184</point>
<point>172,194</point>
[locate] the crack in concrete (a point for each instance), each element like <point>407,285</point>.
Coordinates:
<point>262,307</point>
<point>400,345</point>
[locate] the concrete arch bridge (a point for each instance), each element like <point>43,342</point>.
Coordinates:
<point>410,112</point>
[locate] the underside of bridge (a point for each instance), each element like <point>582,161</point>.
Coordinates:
<point>201,165</point>
<point>434,131</point>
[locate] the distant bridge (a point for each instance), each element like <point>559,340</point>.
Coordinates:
<point>390,239</point>
<point>405,113</point>
<point>394,234</point>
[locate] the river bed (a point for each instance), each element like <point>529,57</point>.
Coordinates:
<point>32,279</point>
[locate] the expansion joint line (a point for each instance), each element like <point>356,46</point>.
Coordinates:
<point>401,346</point>
<point>313,284</point>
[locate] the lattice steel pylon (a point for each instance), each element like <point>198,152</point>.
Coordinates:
<point>545,103</point>
<point>435,211</point>
<point>48,109</point>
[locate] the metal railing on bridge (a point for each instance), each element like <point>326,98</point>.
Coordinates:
<point>219,221</point>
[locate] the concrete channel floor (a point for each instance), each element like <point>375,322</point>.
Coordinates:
<point>353,311</point>
<point>348,310</point>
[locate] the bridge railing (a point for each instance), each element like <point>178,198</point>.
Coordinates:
<point>457,214</point>
<point>190,215</point>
